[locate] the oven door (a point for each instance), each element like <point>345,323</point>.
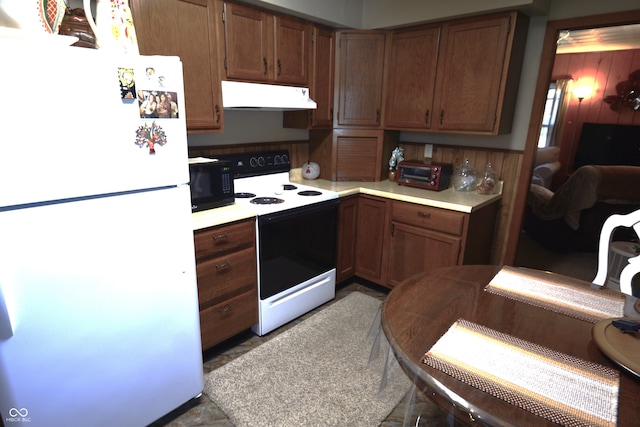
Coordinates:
<point>296,245</point>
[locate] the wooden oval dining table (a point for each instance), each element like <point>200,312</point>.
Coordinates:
<point>421,309</point>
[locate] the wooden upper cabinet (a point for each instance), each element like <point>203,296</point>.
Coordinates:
<point>359,74</point>
<point>411,77</point>
<point>247,34</point>
<point>264,47</point>
<point>478,76</point>
<point>185,28</point>
<point>320,84</point>
<point>292,49</point>
<point>322,77</point>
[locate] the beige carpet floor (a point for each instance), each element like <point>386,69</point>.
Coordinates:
<point>316,373</point>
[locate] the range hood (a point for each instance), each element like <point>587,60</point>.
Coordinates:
<point>256,96</point>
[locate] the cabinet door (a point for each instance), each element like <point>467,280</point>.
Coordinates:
<point>292,46</point>
<point>347,227</point>
<point>320,85</point>
<point>413,250</point>
<point>360,71</point>
<point>411,78</point>
<point>357,154</point>
<point>322,78</point>
<point>370,238</point>
<point>471,73</point>
<point>185,28</point>
<point>248,32</point>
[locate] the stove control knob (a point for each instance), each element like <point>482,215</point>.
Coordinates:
<point>261,161</point>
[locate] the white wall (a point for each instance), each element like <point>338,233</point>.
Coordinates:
<point>241,126</point>
<point>337,13</point>
<point>392,13</point>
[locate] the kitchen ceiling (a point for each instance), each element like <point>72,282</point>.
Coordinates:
<point>599,39</point>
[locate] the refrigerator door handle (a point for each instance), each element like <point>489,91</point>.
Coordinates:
<point>6,330</point>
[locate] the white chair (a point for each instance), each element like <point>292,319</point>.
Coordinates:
<point>631,220</point>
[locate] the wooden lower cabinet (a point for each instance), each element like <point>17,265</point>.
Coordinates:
<point>395,240</point>
<point>371,238</point>
<point>413,250</point>
<point>347,227</point>
<point>227,280</point>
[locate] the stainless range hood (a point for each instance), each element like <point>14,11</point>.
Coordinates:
<point>255,96</point>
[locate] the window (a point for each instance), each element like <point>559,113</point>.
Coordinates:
<point>553,110</point>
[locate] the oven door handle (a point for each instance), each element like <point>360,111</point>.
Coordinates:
<point>294,212</point>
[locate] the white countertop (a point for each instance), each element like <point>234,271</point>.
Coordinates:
<point>222,215</point>
<point>450,199</point>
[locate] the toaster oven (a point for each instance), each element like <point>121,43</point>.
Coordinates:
<point>432,176</point>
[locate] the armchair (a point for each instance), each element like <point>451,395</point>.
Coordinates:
<point>546,165</point>
<point>572,217</point>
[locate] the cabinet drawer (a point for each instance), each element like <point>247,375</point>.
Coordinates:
<point>226,319</point>
<point>428,217</point>
<point>219,240</point>
<point>225,276</point>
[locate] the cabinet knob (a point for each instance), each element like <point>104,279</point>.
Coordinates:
<point>441,117</point>
<point>225,309</point>
<point>279,67</point>
<point>264,61</point>
<point>424,214</point>
<point>220,236</point>
<point>426,117</point>
<point>224,265</point>
<point>378,115</point>
<point>217,113</point>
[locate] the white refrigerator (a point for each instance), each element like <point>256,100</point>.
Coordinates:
<point>99,321</point>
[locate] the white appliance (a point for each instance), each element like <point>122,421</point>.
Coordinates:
<point>99,320</point>
<point>296,230</point>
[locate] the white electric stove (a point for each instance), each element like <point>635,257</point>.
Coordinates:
<point>296,229</point>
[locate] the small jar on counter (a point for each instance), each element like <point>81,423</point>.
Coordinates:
<point>489,181</point>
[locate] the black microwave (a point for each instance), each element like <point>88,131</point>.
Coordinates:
<point>211,183</point>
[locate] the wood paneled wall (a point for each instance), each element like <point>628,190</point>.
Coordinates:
<point>507,164</point>
<point>298,150</point>
<point>602,71</point>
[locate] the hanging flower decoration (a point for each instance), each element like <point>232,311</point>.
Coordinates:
<point>627,94</point>
<point>149,136</point>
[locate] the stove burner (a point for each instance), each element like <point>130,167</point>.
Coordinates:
<point>266,200</point>
<point>289,187</point>
<point>245,195</point>
<point>309,193</point>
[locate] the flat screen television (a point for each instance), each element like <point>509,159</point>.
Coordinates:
<point>608,144</point>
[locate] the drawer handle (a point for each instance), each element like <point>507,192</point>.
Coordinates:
<point>225,309</point>
<point>424,214</point>
<point>225,264</point>
<point>221,236</point>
